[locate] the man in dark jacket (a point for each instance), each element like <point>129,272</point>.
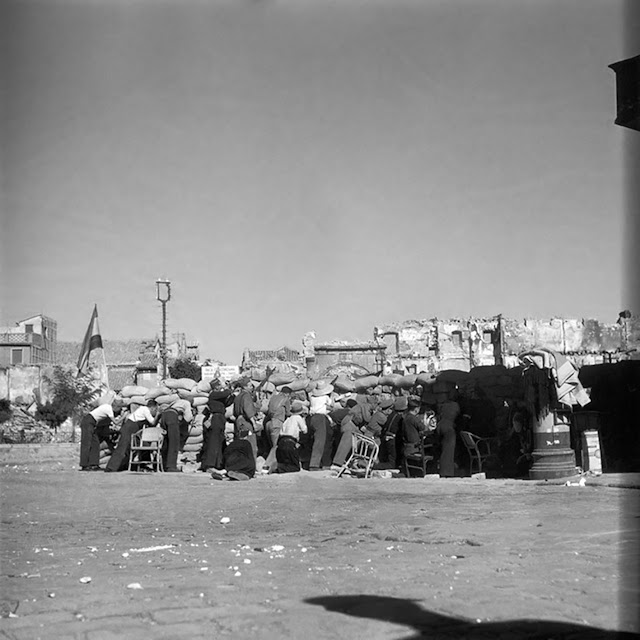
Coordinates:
<point>215,422</point>
<point>244,411</point>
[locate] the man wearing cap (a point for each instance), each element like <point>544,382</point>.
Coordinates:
<point>215,421</point>
<point>357,418</point>
<point>392,432</point>
<point>412,427</point>
<point>277,412</point>
<point>320,404</point>
<point>175,421</point>
<point>379,419</point>
<point>244,411</point>
<point>287,448</point>
<point>92,431</point>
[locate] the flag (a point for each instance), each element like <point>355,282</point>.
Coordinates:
<point>92,340</point>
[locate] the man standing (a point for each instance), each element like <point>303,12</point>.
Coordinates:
<point>213,435</point>
<point>277,412</point>
<point>145,415</point>
<point>175,422</point>
<point>92,431</point>
<point>320,404</point>
<point>244,410</point>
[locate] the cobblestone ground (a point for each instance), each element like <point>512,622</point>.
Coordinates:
<point>310,556</point>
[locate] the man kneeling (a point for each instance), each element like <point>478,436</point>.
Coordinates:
<point>287,455</point>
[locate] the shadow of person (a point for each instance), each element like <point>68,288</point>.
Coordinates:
<point>436,626</point>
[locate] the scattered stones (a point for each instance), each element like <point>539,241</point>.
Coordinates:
<point>134,585</point>
<point>225,520</point>
<point>85,580</point>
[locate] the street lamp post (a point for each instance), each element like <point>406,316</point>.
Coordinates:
<point>163,295</point>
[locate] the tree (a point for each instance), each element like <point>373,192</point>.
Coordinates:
<point>185,368</point>
<point>71,397</point>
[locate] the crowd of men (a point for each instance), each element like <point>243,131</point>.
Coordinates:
<point>288,429</point>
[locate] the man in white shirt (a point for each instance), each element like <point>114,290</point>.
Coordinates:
<point>143,415</point>
<point>100,417</point>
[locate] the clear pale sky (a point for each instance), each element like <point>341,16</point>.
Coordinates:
<point>294,165</point>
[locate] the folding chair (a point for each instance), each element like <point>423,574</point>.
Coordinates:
<point>419,460</point>
<point>148,440</point>
<point>479,449</point>
<point>364,451</point>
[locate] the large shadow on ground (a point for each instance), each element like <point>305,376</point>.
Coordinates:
<point>436,626</point>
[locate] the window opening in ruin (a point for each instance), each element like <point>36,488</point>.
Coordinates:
<point>487,336</point>
<point>456,338</point>
<point>16,356</point>
<point>28,328</point>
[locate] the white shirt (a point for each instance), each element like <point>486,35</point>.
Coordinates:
<point>102,412</point>
<point>142,414</point>
<point>320,404</point>
<point>293,426</point>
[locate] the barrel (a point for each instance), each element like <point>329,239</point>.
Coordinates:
<point>552,454</point>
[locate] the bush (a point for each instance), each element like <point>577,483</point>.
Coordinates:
<point>71,397</point>
<point>5,410</point>
<point>185,368</point>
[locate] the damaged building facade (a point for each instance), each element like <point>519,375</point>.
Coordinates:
<point>437,345</point>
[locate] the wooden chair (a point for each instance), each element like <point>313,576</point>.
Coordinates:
<point>147,440</point>
<point>479,449</point>
<point>364,453</point>
<point>419,460</point>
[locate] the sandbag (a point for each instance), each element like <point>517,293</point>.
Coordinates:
<point>152,394</point>
<point>228,413</point>
<point>203,386</point>
<point>141,400</point>
<point>185,394</point>
<point>282,378</point>
<point>258,375</point>
<point>407,382</point>
<point>180,383</point>
<point>133,390</point>
<point>296,385</point>
<point>344,385</point>
<point>196,432</point>
<point>390,380</point>
<point>200,401</point>
<point>425,379</point>
<point>192,447</point>
<point>361,384</point>
<point>168,399</point>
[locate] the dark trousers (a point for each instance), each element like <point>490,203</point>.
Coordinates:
<point>120,457</point>
<point>320,427</point>
<point>89,442</point>
<point>447,433</point>
<point>213,443</point>
<point>171,446</point>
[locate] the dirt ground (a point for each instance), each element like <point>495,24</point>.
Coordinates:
<point>308,555</point>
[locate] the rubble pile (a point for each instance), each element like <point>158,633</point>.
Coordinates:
<point>22,428</point>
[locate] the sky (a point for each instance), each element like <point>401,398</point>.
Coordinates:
<point>293,165</point>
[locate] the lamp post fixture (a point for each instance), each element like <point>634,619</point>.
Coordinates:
<point>163,295</point>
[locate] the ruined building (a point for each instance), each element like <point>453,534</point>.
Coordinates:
<point>435,345</point>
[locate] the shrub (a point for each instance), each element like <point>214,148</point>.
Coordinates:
<point>71,397</point>
<point>185,368</point>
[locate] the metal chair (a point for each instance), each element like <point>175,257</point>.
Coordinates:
<point>148,440</point>
<point>479,449</point>
<point>419,460</point>
<point>364,453</point>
